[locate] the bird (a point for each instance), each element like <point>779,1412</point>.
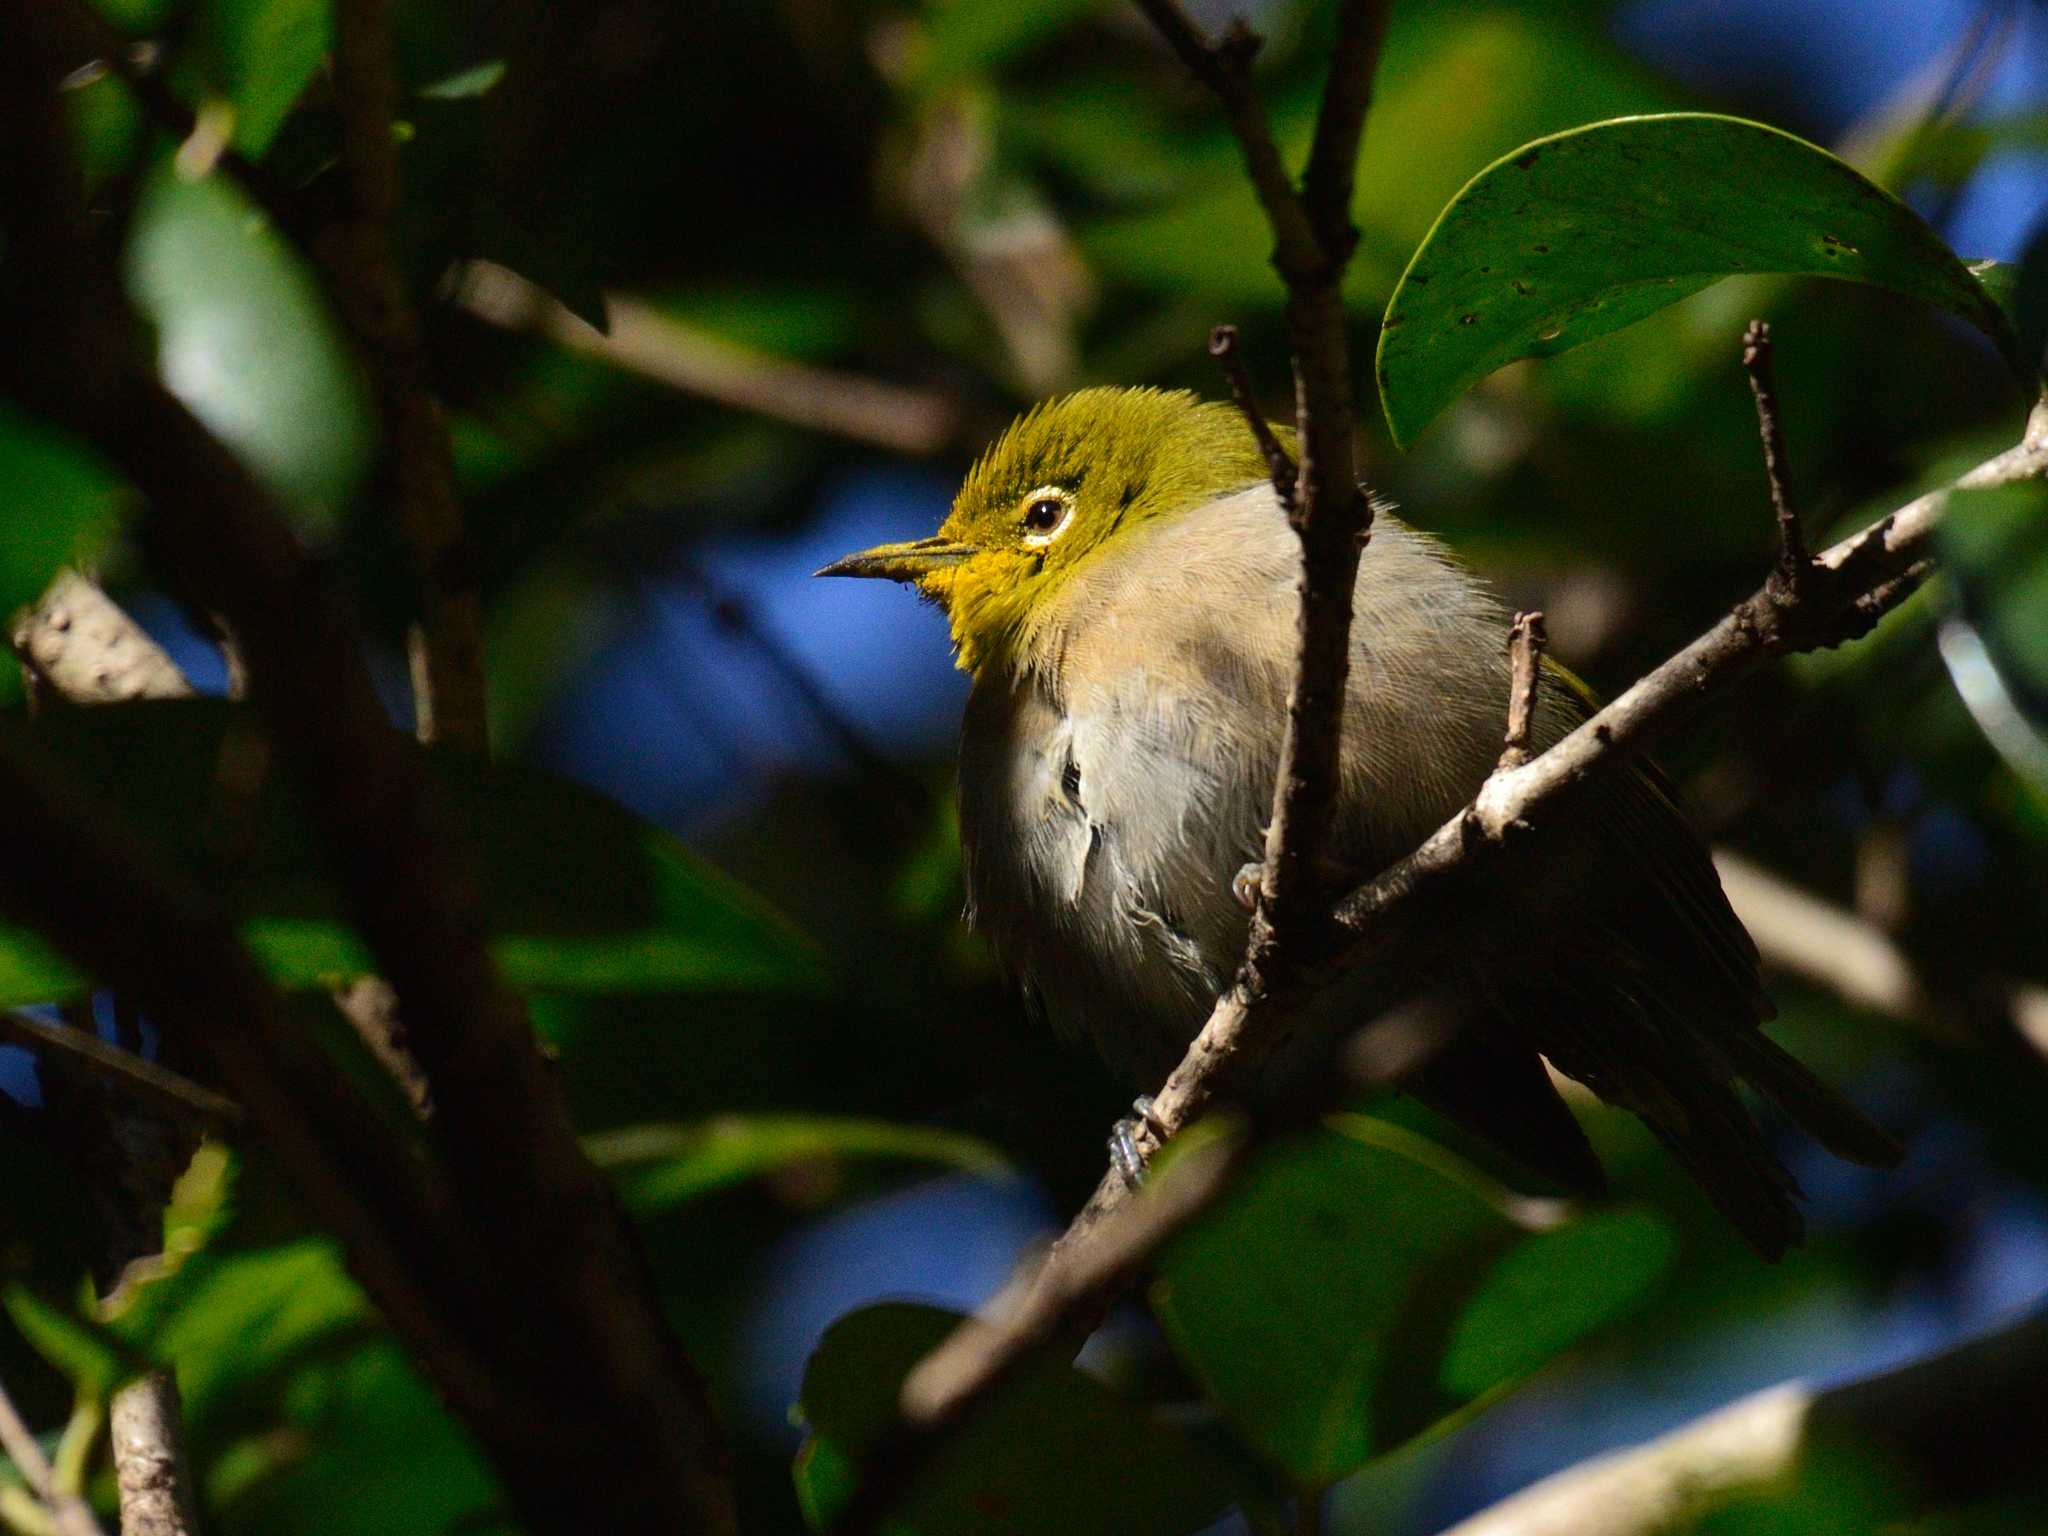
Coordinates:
<point>1119,578</point>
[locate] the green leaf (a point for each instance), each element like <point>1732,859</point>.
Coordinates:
<point>244,339</point>
<point>466,83</point>
<point>260,55</point>
<point>581,895</point>
<point>964,36</point>
<point>1361,1282</point>
<point>89,1356</point>
<point>1550,1292</point>
<point>58,502</point>
<point>1055,1450</point>
<point>2020,290</point>
<point>664,1165</point>
<point>1577,235</point>
<point>1994,543</point>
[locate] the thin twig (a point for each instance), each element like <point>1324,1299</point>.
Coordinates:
<point>68,1512</point>
<point>446,643</point>
<point>641,339</point>
<point>169,1090</point>
<point>1795,565</point>
<point>1279,464</point>
<point>1526,639</point>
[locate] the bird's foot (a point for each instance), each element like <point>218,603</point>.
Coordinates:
<point>1245,885</point>
<point>1124,1155</point>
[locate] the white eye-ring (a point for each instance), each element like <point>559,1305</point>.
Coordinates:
<point>1047,511</point>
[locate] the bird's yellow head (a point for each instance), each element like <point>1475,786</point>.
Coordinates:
<point>1055,489</point>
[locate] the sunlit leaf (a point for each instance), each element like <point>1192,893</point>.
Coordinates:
<point>1582,233</point>
<point>473,81</point>
<point>1053,1451</point>
<point>245,340</point>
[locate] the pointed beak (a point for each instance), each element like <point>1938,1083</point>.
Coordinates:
<point>912,561</point>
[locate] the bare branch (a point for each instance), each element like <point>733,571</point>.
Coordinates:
<point>169,1090</point>
<point>1794,563</point>
<point>81,644</point>
<point>68,1513</point>
<point>150,1469</point>
<point>1223,347</point>
<point>1954,1426</point>
<point>447,642</point>
<point>642,340</point>
<point>1526,640</point>
<point>1821,943</point>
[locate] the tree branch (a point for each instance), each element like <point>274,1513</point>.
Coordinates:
<point>170,1091</point>
<point>640,339</point>
<point>1794,563</point>
<point>1526,639</point>
<point>517,1280</point>
<point>1802,935</point>
<point>446,643</point>
<point>1279,465</point>
<point>69,1515</point>
<point>1403,911</point>
<point>148,1434</point>
<point>1953,1426</point>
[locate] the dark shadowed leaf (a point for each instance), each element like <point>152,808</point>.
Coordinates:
<point>582,896</point>
<point>1362,1282</point>
<point>1054,1451</point>
<point>259,56</point>
<point>91,1358</point>
<point>1577,235</point>
<point>58,503</point>
<point>663,1165</point>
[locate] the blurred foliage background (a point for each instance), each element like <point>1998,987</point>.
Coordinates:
<point>839,243</point>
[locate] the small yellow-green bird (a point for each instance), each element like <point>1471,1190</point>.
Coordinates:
<point>1120,582</point>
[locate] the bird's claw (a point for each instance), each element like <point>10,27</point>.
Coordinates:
<point>1124,1155</point>
<point>1246,885</point>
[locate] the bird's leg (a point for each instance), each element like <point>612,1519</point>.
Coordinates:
<point>1123,1140</point>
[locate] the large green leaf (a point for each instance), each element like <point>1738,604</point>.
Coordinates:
<point>58,503</point>
<point>581,896</point>
<point>245,340</point>
<point>1362,1282</point>
<point>1053,1451</point>
<point>663,1165</point>
<point>1577,235</point>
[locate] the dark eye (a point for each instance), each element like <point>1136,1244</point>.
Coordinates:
<point>1044,514</point>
